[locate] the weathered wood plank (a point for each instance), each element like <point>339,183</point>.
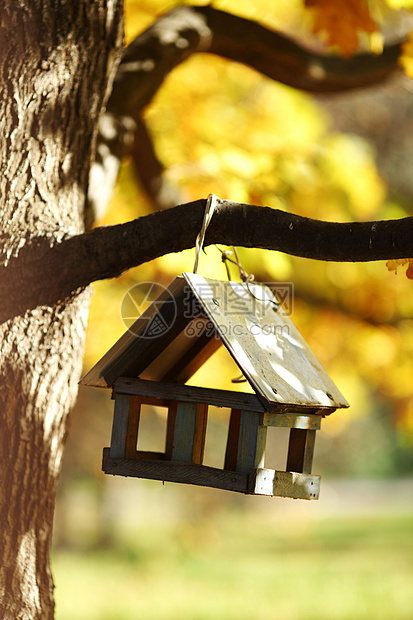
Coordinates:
<point>176,362</point>
<point>133,425</point>
<point>201,418</point>
<point>260,447</point>
<point>170,429</point>
<point>125,425</point>
<point>300,450</point>
<point>184,432</point>
<point>292,420</point>
<point>155,402</point>
<point>171,471</point>
<point>246,441</point>
<point>133,351</point>
<point>189,394</point>
<point>148,455</point>
<point>259,482</point>
<point>201,350</point>
<point>252,439</point>
<point>232,440</point>
<point>268,348</point>
<point>284,484</point>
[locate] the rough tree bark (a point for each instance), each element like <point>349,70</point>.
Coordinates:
<point>57,60</point>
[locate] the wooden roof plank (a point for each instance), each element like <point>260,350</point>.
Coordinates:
<point>266,345</point>
<point>133,348</point>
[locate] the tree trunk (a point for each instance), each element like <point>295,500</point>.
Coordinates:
<point>57,60</point>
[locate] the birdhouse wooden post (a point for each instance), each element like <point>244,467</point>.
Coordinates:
<point>179,331</point>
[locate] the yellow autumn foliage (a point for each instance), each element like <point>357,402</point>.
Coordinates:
<point>406,59</point>
<point>220,127</point>
<point>341,21</point>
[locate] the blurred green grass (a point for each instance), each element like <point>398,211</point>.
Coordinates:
<point>239,566</point>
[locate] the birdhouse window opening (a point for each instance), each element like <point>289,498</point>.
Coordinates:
<point>152,428</point>
<point>277,442</point>
<point>276,452</point>
<point>216,436</point>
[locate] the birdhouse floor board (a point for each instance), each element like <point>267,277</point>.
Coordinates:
<point>284,484</point>
<point>257,482</point>
<point>171,471</point>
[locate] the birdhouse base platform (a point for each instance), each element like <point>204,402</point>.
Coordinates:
<point>260,481</point>
<point>182,460</point>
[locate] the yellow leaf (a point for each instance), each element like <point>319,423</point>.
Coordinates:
<point>341,21</point>
<point>392,265</point>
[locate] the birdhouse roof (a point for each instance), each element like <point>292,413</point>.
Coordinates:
<point>192,317</point>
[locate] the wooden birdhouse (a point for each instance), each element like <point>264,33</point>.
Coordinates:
<point>179,331</point>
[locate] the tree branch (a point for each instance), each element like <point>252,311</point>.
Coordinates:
<point>42,274</point>
<point>187,30</point>
<point>184,31</point>
<point>290,63</point>
<point>150,170</point>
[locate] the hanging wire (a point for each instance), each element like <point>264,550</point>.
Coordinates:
<point>247,280</point>
<point>244,275</point>
<point>225,257</point>
<point>250,279</point>
<point>211,203</point>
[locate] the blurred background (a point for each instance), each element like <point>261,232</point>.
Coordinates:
<point>129,548</point>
